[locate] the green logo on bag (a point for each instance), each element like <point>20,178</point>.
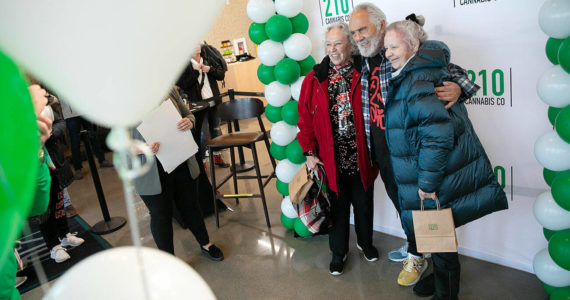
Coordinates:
<point>432,226</point>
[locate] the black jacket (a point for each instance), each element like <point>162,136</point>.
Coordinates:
<point>54,147</point>
<point>189,83</point>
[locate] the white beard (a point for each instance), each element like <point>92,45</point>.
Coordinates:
<point>372,49</point>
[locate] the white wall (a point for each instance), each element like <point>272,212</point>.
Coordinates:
<point>496,35</point>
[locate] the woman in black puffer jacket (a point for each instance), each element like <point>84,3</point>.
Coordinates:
<point>434,151</point>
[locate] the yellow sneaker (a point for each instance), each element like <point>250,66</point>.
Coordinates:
<point>414,267</point>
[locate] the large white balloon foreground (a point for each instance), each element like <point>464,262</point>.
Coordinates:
<point>113,61</point>
<point>115,274</point>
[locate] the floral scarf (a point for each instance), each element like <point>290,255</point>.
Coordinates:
<point>340,88</point>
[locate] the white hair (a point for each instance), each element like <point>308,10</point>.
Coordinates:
<point>411,31</point>
<point>346,31</point>
<point>375,14</point>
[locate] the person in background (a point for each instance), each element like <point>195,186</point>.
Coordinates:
<point>200,82</point>
<point>331,126</point>
<point>160,191</point>
<point>74,123</point>
<point>435,151</point>
<point>367,27</point>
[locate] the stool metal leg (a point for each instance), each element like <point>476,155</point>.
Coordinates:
<point>213,174</point>
<point>260,183</point>
<point>234,175</point>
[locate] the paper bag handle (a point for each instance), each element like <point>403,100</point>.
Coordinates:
<point>436,201</point>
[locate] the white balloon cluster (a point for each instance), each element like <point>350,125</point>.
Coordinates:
<point>552,151</point>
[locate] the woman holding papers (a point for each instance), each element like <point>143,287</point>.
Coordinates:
<point>160,190</point>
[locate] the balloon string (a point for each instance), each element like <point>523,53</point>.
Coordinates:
<point>36,262</point>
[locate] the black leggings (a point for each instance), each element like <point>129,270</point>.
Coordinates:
<point>55,227</point>
<point>178,188</point>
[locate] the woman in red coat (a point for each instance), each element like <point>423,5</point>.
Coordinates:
<point>332,133</point>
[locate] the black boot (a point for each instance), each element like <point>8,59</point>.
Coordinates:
<point>446,284</point>
<point>425,287</point>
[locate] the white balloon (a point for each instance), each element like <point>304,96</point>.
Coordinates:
<point>548,271</point>
<point>553,87</point>
<point>116,274</point>
<point>259,11</point>
<point>554,18</point>
<point>110,60</point>
<point>282,133</point>
<point>288,8</point>
<point>298,46</point>
<point>296,88</point>
<point>287,208</point>
<point>277,94</point>
<point>270,52</point>
<point>552,152</point>
<point>286,170</point>
<point>549,214</point>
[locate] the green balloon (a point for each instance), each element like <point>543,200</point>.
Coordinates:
<point>562,293</point>
<point>301,229</point>
<point>19,148</point>
<point>257,33</point>
<point>295,153</point>
<point>282,187</point>
<point>278,28</point>
<point>548,288</point>
<point>550,175</point>
<point>561,190</point>
<point>278,152</point>
<point>287,71</point>
<point>288,223</point>
<point>289,113</point>
<point>272,113</point>
<point>564,55</point>
<point>562,124</point>
<point>548,233</point>
<point>559,249</point>
<point>300,23</point>
<point>307,65</point>
<point>552,47</point>
<point>265,74</point>
<point>552,114</point>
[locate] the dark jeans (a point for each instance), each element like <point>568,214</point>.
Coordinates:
<point>211,125</point>
<point>178,188</point>
<point>351,191</point>
<point>55,227</point>
<point>74,126</point>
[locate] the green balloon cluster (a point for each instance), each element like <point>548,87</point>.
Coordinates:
<point>289,113</point>
<point>300,23</point>
<point>295,153</point>
<point>564,55</point>
<point>282,187</point>
<point>550,175</point>
<point>278,152</point>
<point>307,65</point>
<point>561,190</point>
<point>287,71</point>
<point>278,28</point>
<point>548,233</point>
<point>19,148</point>
<point>559,249</point>
<point>552,47</point>
<point>301,229</point>
<point>272,113</point>
<point>288,223</point>
<point>265,74</point>
<point>562,124</point>
<point>552,114</point>
<point>257,33</point>
<point>548,288</point>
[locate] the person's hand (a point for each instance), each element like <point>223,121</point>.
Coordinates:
<point>450,91</point>
<point>205,68</point>
<point>184,124</point>
<point>197,67</point>
<point>154,147</point>
<point>312,162</point>
<point>424,195</point>
<point>44,125</point>
<point>38,97</point>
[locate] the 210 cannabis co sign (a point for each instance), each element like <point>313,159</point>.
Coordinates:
<point>496,87</point>
<point>335,11</point>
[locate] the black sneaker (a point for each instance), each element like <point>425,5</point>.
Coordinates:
<point>337,265</point>
<point>425,287</point>
<point>214,253</point>
<point>370,253</point>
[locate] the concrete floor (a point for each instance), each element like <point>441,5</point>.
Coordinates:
<point>272,264</point>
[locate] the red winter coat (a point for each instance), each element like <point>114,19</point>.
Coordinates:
<point>316,129</point>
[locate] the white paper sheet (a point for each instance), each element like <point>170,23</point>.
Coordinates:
<point>175,146</point>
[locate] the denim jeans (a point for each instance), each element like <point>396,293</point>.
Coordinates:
<point>74,126</point>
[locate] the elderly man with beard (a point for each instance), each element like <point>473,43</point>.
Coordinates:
<point>367,27</point>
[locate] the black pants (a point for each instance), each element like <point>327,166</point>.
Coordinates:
<point>351,191</point>
<point>74,126</point>
<point>178,188</point>
<point>55,226</point>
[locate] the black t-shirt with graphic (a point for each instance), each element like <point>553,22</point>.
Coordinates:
<point>377,121</point>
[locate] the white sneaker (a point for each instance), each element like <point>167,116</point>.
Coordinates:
<point>71,239</point>
<point>59,254</point>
